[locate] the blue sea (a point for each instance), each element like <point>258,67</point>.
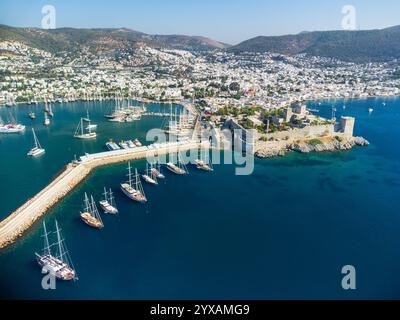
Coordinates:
<point>284,232</point>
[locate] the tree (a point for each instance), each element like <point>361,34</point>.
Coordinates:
<point>234,86</point>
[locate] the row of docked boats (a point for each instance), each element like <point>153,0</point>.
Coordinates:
<point>125,112</point>
<point>123,144</point>
<point>55,258</point>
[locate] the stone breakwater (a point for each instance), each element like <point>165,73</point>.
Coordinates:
<point>20,220</point>
<point>325,144</point>
<point>17,223</point>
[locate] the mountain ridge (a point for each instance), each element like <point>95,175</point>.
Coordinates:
<point>103,39</point>
<point>361,46</point>
<point>356,46</point>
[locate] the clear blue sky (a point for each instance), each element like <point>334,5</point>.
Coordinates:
<point>229,21</point>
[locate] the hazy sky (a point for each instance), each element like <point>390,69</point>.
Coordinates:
<point>230,21</point>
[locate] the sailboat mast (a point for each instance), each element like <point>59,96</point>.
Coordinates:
<point>95,212</point>
<point>92,208</point>
<point>81,126</point>
<point>105,194</point>
<point>59,242</point>
<point>46,240</point>
<point>34,137</point>
<point>111,198</point>
<point>87,208</point>
<point>129,174</point>
<point>136,181</point>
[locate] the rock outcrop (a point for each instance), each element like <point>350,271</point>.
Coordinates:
<point>326,144</point>
<point>331,145</point>
<point>270,154</point>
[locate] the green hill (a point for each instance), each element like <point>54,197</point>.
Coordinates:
<point>69,39</point>
<point>357,46</point>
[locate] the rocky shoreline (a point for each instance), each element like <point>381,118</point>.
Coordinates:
<point>314,145</point>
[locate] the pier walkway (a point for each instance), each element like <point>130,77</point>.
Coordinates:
<point>14,226</point>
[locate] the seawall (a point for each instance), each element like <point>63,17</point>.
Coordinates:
<point>18,222</point>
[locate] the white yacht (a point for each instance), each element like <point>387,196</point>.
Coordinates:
<point>149,176</point>
<point>156,171</point>
<point>108,203</point>
<point>59,264</point>
<point>11,127</point>
<point>123,145</point>
<point>133,187</point>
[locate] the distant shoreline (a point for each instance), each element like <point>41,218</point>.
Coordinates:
<point>144,100</point>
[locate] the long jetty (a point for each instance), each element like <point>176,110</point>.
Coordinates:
<point>17,223</point>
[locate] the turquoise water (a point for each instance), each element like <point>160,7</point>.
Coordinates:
<point>284,232</point>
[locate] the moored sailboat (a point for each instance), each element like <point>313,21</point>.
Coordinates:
<point>203,163</point>
<point>90,126</point>
<point>37,150</point>
<point>50,112</point>
<point>156,170</point>
<point>108,203</point>
<point>11,127</point>
<point>133,187</point>
<point>149,176</point>
<point>59,265</point>
<point>80,132</point>
<point>46,120</point>
<point>91,215</point>
<point>178,168</point>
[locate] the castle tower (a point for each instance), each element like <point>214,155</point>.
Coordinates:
<point>347,125</point>
<point>288,114</point>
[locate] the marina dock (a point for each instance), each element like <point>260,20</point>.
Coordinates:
<point>17,223</point>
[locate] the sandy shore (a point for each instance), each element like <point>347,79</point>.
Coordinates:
<point>17,223</point>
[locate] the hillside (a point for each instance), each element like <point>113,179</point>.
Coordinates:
<point>357,46</point>
<point>100,40</point>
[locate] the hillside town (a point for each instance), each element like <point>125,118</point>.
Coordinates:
<point>256,90</point>
<point>220,78</point>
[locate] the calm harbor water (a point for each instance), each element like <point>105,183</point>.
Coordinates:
<point>284,232</point>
